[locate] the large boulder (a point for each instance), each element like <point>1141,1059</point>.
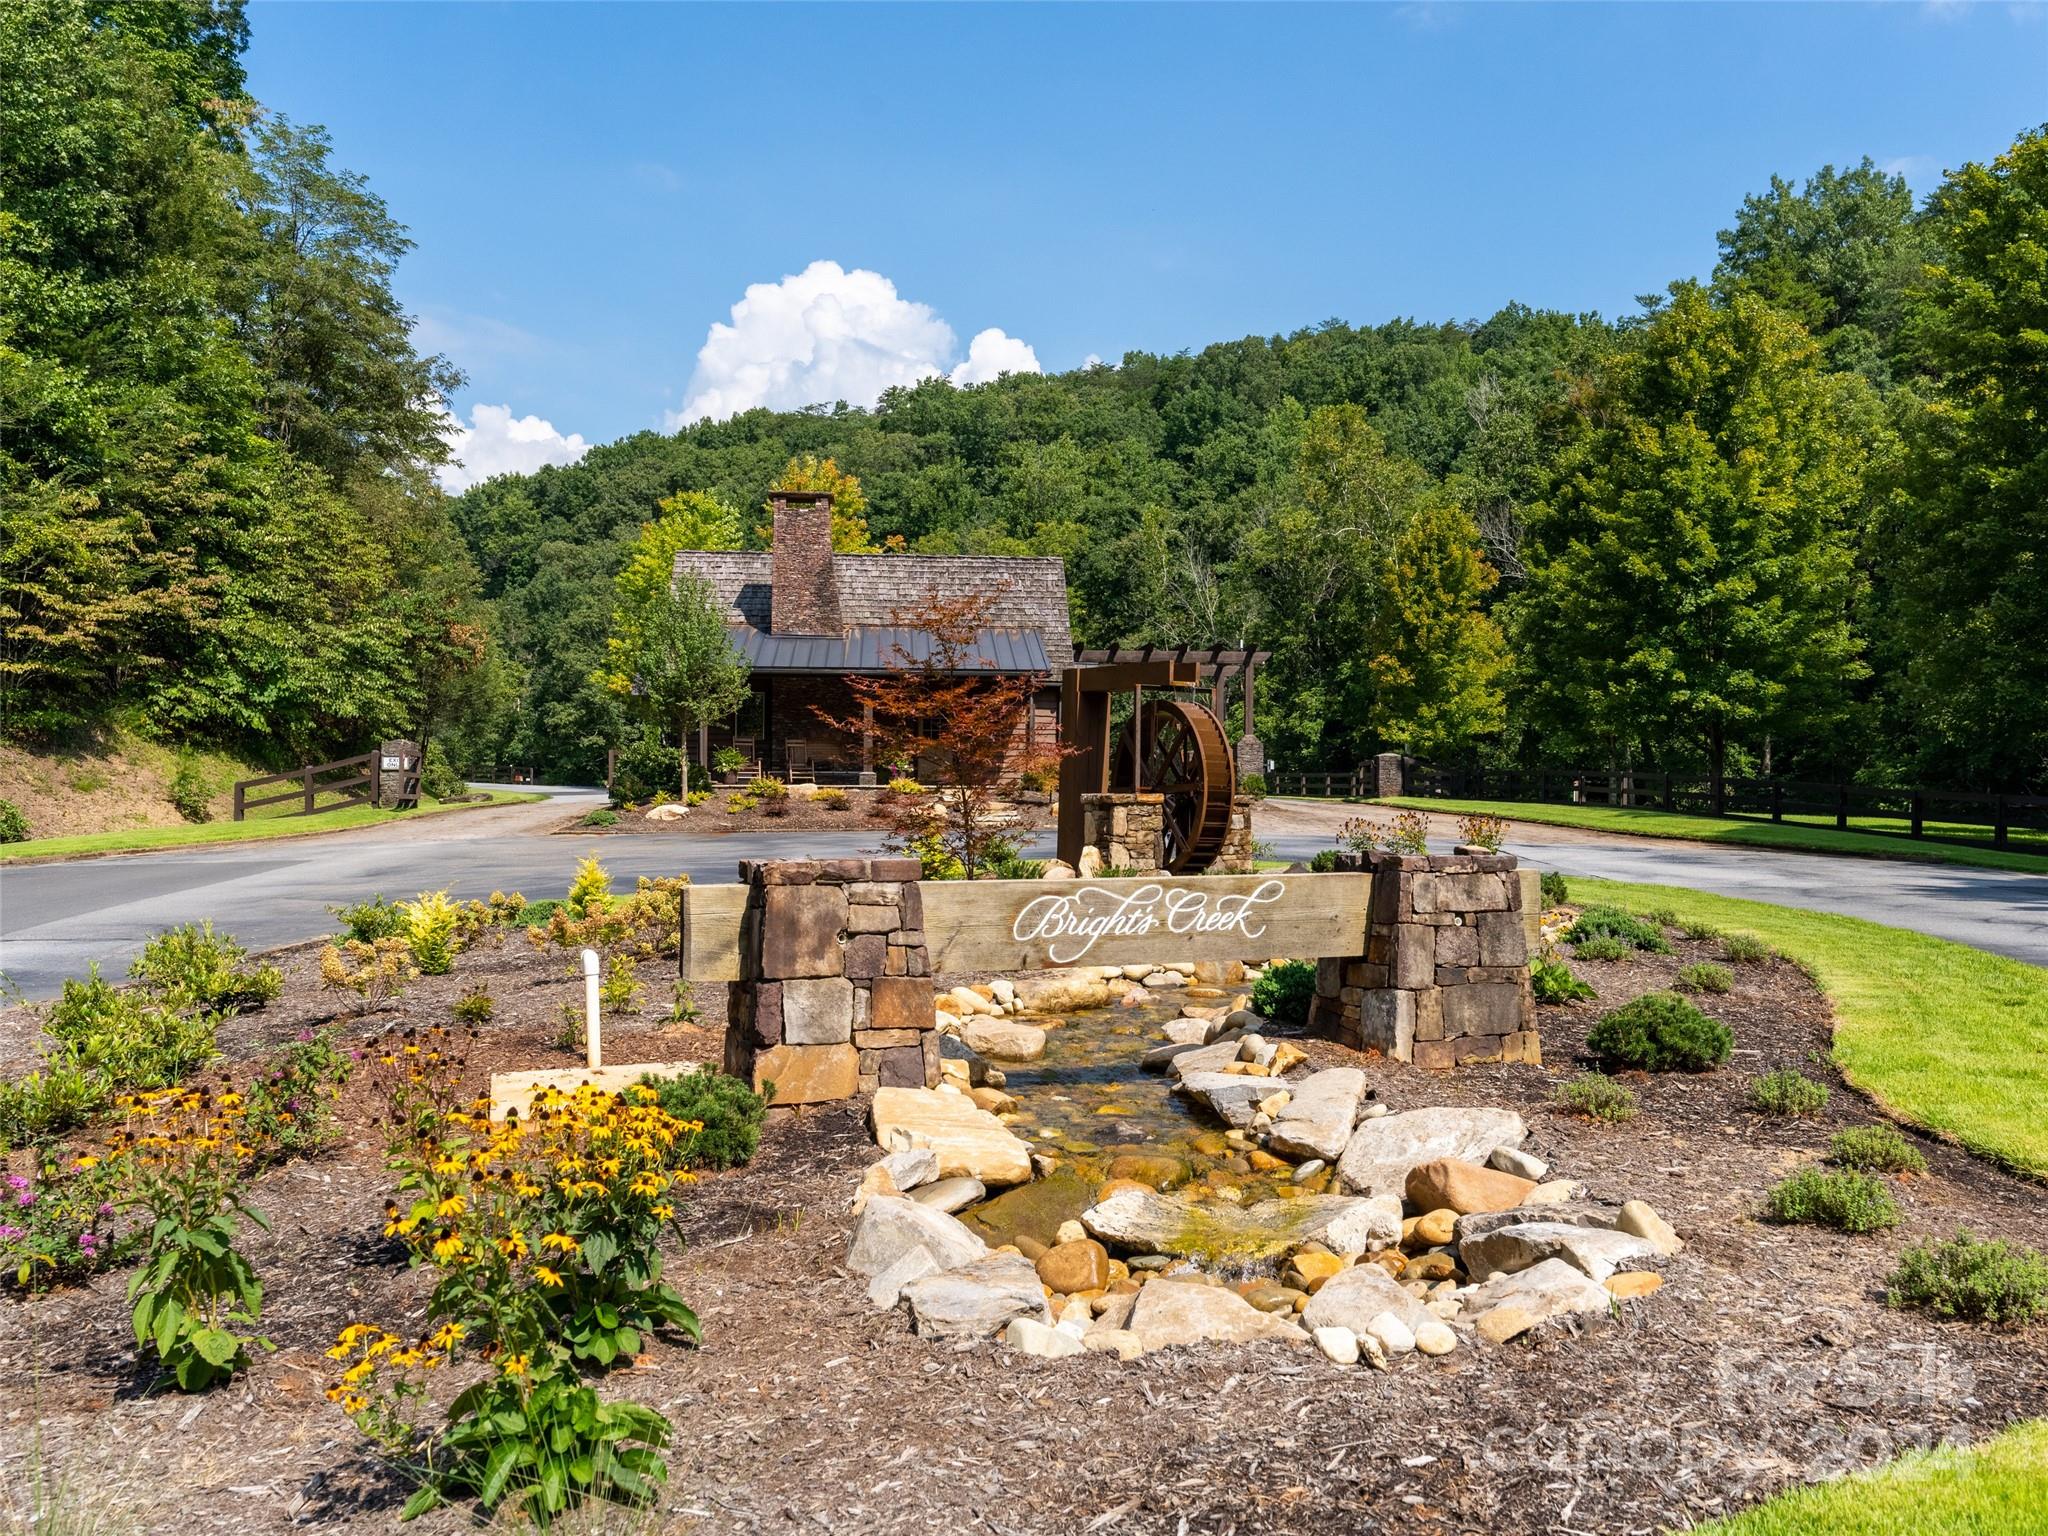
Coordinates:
<point>1596,1252</point>
<point>1076,1265</point>
<point>1214,1229</point>
<point>978,1299</point>
<point>1234,1100</point>
<point>897,1240</point>
<point>1318,1118</point>
<point>1061,991</point>
<point>969,1142</point>
<point>1509,1304</point>
<point>1184,1312</point>
<point>1003,1039</point>
<point>1450,1183</point>
<point>1357,1296</point>
<point>1380,1153</point>
<point>1213,1057</point>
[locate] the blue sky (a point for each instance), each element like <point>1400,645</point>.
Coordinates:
<point>592,186</point>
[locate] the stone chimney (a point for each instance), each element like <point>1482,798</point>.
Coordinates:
<point>804,598</point>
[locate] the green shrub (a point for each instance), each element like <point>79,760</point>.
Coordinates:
<point>1325,861</point>
<point>1012,867</point>
<point>475,1006</point>
<point>1555,892</point>
<point>1787,1092</point>
<point>1979,1282</point>
<point>1876,1149</point>
<point>193,967</point>
<point>13,825</point>
<point>830,798</point>
<point>1613,923</point>
<point>1660,1032</point>
<point>647,770</point>
<point>430,928</point>
<point>1661,917</point>
<point>1253,784</point>
<point>1283,993</point>
<point>727,760</point>
<point>1553,982</point>
<point>1596,1097</point>
<point>1744,948</point>
<point>190,791</point>
<point>937,860</point>
<point>602,816</point>
<point>538,914</point>
<point>368,921</point>
<point>289,1103</point>
<point>1846,1201</point>
<point>1704,976</point>
<point>1604,947</point>
<point>438,778</point>
<point>1695,928</point>
<point>729,1111</point>
<point>55,1098</point>
<point>135,1040</point>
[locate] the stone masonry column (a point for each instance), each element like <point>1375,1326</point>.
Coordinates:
<point>835,992</point>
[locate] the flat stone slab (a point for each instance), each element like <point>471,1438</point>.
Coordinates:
<point>1595,1252</point>
<point>1204,1058</point>
<point>1509,1304</point>
<point>969,1142</point>
<point>1234,1099</point>
<point>1213,1229</point>
<point>1003,1039</point>
<point>950,1195</point>
<point>1354,1297</point>
<point>1171,1312</point>
<point>515,1090</point>
<point>1382,1151</point>
<point>978,1299</point>
<point>1317,1121</point>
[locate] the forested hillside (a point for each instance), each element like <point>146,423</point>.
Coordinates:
<point>216,435</point>
<point>1792,513</point>
<point>1792,516</point>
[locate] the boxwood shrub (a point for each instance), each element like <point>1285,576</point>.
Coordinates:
<point>1660,1032</point>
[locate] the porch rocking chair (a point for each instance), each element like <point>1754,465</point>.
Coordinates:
<point>802,768</point>
<point>750,759</point>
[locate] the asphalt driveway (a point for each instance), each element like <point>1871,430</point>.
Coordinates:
<point>56,919</point>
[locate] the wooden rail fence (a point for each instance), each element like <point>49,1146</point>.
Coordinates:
<point>358,788</point>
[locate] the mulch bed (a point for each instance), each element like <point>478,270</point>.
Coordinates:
<point>1768,1356</point>
<point>861,813</point>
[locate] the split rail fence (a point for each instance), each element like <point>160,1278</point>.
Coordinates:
<point>357,786</point>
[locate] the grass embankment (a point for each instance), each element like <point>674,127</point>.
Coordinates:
<point>1946,1036</point>
<point>138,839</point>
<point>1789,835</point>
<point>1998,1488</point>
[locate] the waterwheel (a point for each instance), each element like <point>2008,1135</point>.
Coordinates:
<point>1183,755</point>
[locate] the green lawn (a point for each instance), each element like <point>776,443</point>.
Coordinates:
<point>1998,1488</point>
<point>257,827</point>
<point>1946,1036</point>
<point>1793,835</point>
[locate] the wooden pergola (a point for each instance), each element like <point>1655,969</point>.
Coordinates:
<point>1212,665</point>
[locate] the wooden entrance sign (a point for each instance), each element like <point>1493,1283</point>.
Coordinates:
<point>1021,925</point>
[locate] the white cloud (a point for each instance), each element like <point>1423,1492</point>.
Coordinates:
<point>826,334</point>
<point>495,442</point>
<point>991,355</point>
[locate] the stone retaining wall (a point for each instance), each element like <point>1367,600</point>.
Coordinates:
<point>835,996</point>
<point>1128,830</point>
<point>1444,979</point>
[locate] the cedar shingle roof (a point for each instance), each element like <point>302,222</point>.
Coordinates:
<point>873,587</point>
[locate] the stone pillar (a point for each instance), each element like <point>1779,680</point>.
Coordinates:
<point>1128,830</point>
<point>1389,779</point>
<point>1238,855</point>
<point>1444,979</point>
<point>835,991</point>
<point>398,775</point>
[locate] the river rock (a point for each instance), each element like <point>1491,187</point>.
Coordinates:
<point>950,1195</point>
<point>1577,1213</point>
<point>1382,1150</point>
<point>1035,1210</point>
<point>1449,1183</point>
<point>1318,1119</point>
<point>1639,1219</point>
<point>1357,1296</point>
<point>1168,1313</point>
<point>1161,1057</point>
<point>892,1225</point>
<point>1210,1230</point>
<point>968,1142</point>
<point>1632,1283</point>
<point>1001,1038</point>
<point>1338,1344</point>
<point>1188,1031</point>
<point>1395,1336</point>
<point>953,1049</point>
<point>1061,991</point>
<point>977,1299</point>
<point>1028,1336</point>
<point>1555,1192</point>
<point>1509,1304</point>
<point>1594,1251</point>
<point>1155,1170</point>
<point>1434,1337</point>
<point>1234,1099</point>
<point>1309,1270</point>
<point>909,1170</point>
<point>1213,1057</point>
<point>1524,1165</point>
<point>1371,1223</point>
<point>1121,1342</point>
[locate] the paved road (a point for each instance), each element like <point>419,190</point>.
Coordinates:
<point>55,919</point>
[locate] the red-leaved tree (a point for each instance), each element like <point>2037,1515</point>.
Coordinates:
<point>946,708</point>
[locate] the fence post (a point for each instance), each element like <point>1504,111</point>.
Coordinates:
<point>2001,821</point>
<point>306,778</point>
<point>1919,813</point>
<point>1717,789</point>
<point>1841,807</point>
<point>1777,801</point>
<point>240,794</point>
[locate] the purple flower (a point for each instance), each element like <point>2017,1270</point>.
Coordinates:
<point>26,1197</point>
<point>9,1234</point>
<point>305,1034</point>
<point>16,1181</point>
<point>89,1242</point>
<point>106,1207</point>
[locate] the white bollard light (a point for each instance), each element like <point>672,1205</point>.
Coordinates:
<point>592,1046</point>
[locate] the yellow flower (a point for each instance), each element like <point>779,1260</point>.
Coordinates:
<point>447,1335</point>
<point>515,1366</point>
<point>546,1276</point>
<point>559,1242</point>
<point>86,1162</point>
<point>663,1212</point>
<point>454,1205</point>
<point>513,1247</point>
<point>357,1372</point>
<point>447,1246</point>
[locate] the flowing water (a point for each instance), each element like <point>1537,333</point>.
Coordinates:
<point>1088,1104</point>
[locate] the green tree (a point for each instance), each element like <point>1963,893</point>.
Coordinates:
<point>808,472</point>
<point>1969,543</point>
<point>686,667</point>
<point>1692,576</point>
<point>689,520</point>
<point>1438,657</point>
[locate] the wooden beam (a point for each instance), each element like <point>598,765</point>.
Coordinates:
<point>1121,677</point>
